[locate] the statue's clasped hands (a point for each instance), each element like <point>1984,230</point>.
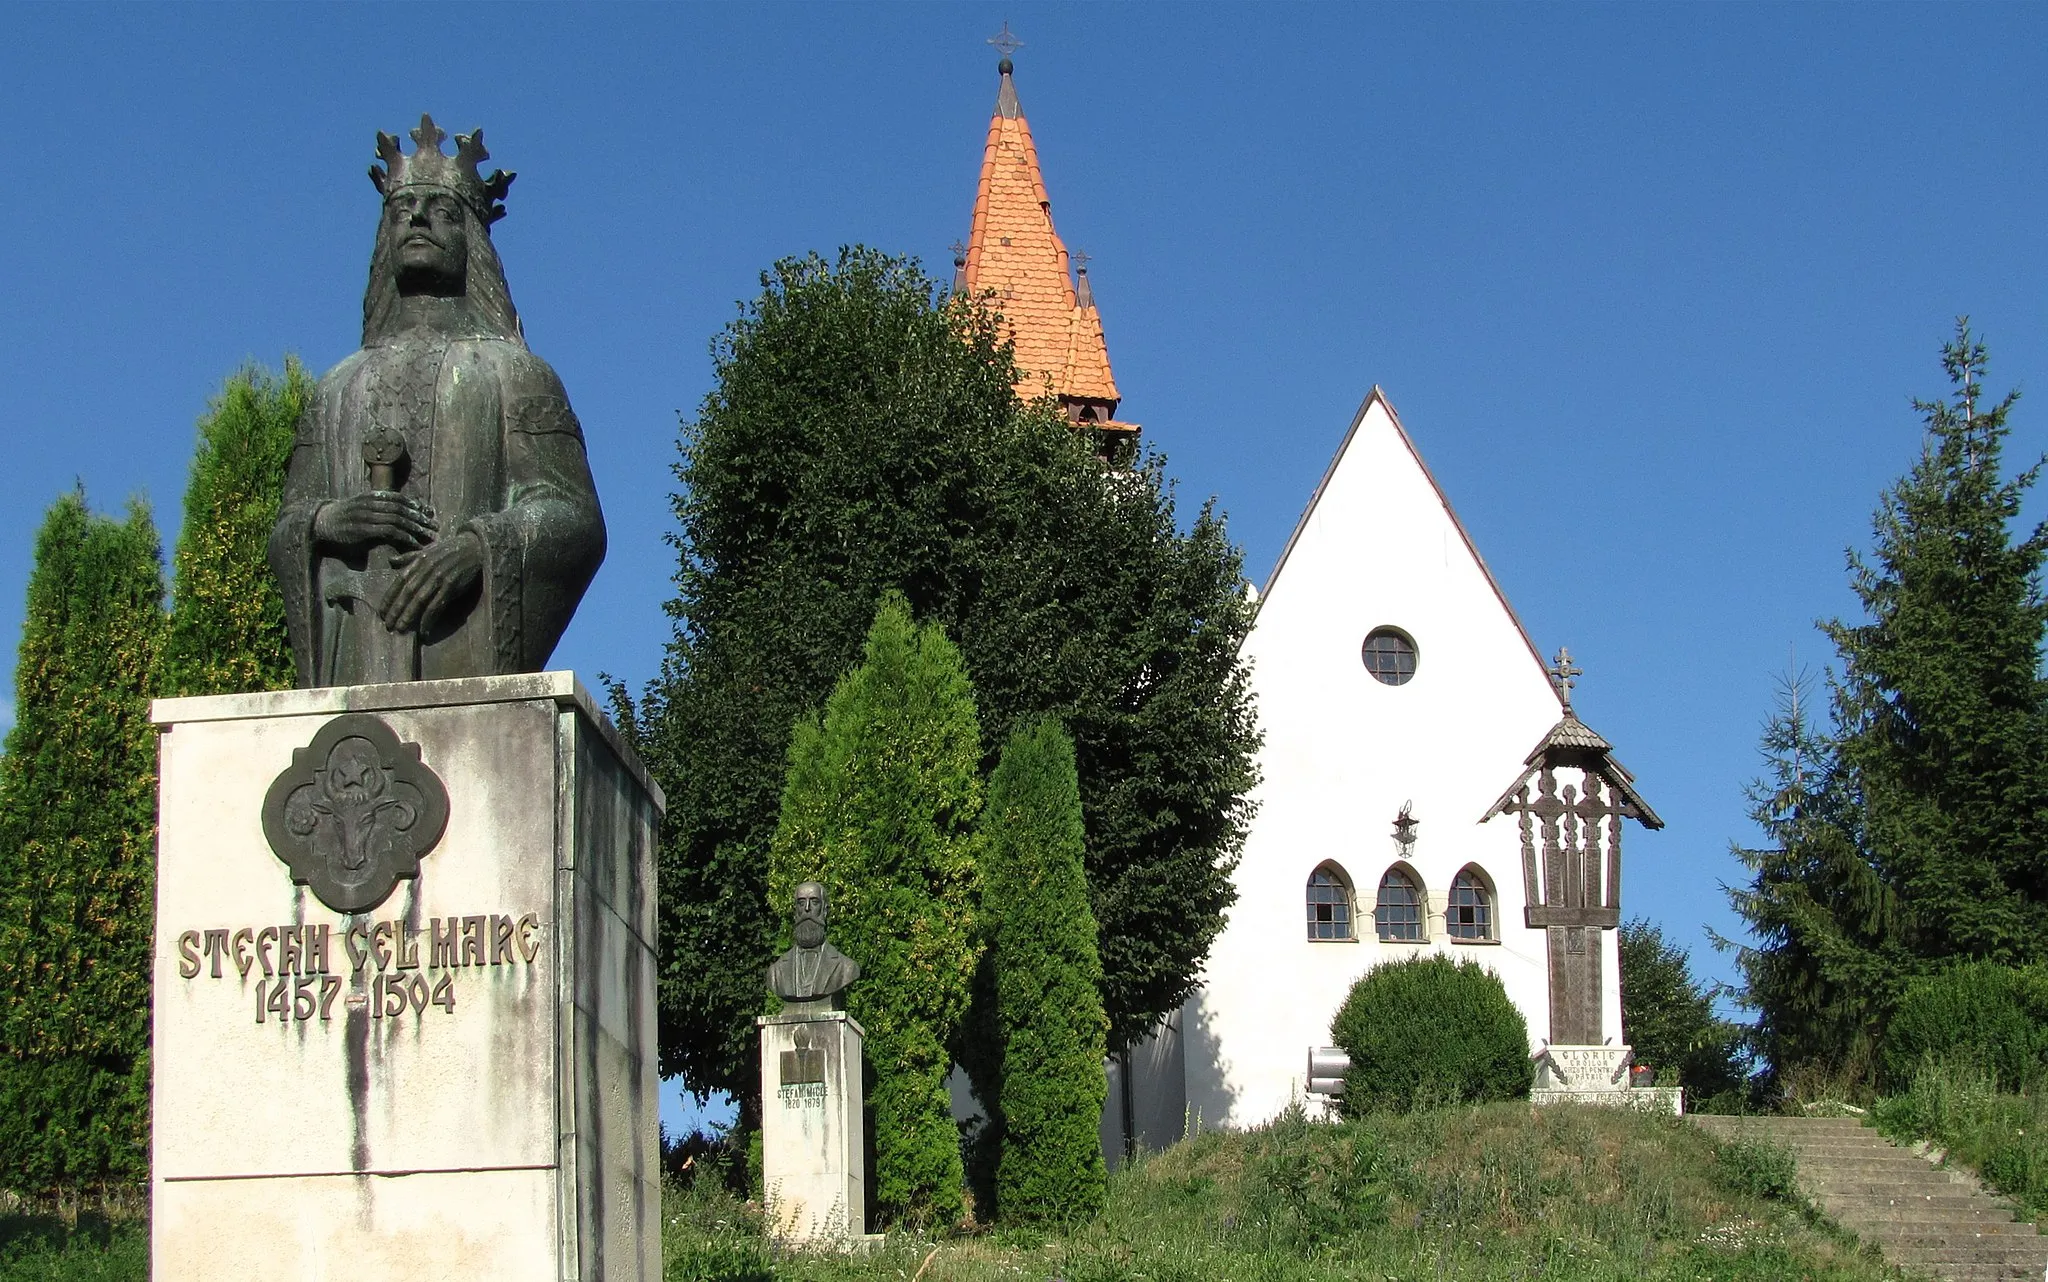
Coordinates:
<point>432,572</point>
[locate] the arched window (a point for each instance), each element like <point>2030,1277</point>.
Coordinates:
<point>1329,904</point>
<point>1471,908</point>
<point>1399,914</point>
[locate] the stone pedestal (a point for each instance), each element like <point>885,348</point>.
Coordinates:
<point>1597,1075</point>
<point>457,1079</point>
<point>812,1130</point>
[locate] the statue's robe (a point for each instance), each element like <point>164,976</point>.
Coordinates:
<point>493,448</point>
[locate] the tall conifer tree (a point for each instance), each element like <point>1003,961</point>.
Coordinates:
<point>1940,707</point>
<point>1045,1094</point>
<point>879,807</point>
<point>77,830</point>
<point>227,626</point>
<point>1915,830</point>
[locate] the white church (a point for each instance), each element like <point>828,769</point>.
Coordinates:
<point>1426,787</point>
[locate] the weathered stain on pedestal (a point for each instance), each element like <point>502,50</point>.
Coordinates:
<point>811,1127</point>
<point>458,1078</point>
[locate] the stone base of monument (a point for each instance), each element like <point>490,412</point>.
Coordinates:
<point>813,1131</point>
<point>457,1079</point>
<point>1597,1075</point>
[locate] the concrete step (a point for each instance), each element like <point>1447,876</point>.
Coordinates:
<point>1968,1219</point>
<point>1981,1253</point>
<point>1919,1215</point>
<point>1889,1192</point>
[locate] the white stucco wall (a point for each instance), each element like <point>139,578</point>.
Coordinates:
<point>1378,546</point>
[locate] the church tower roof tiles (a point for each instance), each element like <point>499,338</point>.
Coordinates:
<point>1014,253</point>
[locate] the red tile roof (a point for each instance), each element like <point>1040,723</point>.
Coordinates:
<point>1014,253</point>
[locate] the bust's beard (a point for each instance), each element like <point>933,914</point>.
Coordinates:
<point>810,932</point>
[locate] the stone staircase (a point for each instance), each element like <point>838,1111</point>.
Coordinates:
<point>1922,1216</point>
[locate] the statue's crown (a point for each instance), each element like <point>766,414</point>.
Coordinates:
<point>428,167</point>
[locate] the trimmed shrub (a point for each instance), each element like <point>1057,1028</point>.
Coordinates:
<point>1427,1031</point>
<point>227,630</point>
<point>1049,1086</point>
<point>880,806</point>
<point>1995,1017</point>
<point>77,877</point>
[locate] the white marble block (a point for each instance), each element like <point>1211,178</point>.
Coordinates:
<point>1597,1075</point>
<point>812,1132</point>
<point>455,1080</point>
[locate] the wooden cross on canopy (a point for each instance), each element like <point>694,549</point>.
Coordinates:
<point>1562,675</point>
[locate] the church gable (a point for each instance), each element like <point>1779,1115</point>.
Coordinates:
<point>1379,547</point>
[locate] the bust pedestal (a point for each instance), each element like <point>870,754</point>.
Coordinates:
<point>456,1081</point>
<point>812,1129</point>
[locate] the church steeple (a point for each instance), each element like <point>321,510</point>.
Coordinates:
<point>1014,253</point>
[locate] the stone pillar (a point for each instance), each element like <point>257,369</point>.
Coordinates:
<point>813,1133</point>
<point>456,1076</point>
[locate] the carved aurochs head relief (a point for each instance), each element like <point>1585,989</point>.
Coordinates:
<point>354,813</point>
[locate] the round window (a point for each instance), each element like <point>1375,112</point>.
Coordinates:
<point>1389,655</point>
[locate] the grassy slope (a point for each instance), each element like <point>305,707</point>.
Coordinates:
<point>2001,1135</point>
<point>1569,1195</point>
<point>1471,1193</point>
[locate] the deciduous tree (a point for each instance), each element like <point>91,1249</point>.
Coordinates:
<point>864,436</point>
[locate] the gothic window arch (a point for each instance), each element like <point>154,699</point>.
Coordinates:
<point>1331,905</point>
<point>1399,916</point>
<point>1471,912</point>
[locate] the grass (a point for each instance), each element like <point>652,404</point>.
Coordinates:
<point>2001,1135</point>
<point>1489,1193</point>
<point>1483,1193</point>
<point>85,1248</point>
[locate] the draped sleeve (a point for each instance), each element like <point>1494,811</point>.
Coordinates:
<point>543,546</point>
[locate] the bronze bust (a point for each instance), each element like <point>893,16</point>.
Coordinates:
<point>813,971</point>
<point>438,517</point>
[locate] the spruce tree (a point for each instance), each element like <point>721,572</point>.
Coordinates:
<point>1829,957</point>
<point>77,831</point>
<point>1913,831</point>
<point>1045,1092</point>
<point>1940,707</point>
<point>864,436</point>
<point>880,806</point>
<point>227,626</point>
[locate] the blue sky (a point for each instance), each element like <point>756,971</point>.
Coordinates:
<point>1651,286</point>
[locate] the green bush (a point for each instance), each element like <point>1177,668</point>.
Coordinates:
<point>1426,1031</point>
<point>77,872</point>
<point>880,806</point>
<point>1049,1085</point>
<point>1308,1184</point>
<point>1993,1016</point>
<point>1758,1168</point>
<point>227,633</point>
